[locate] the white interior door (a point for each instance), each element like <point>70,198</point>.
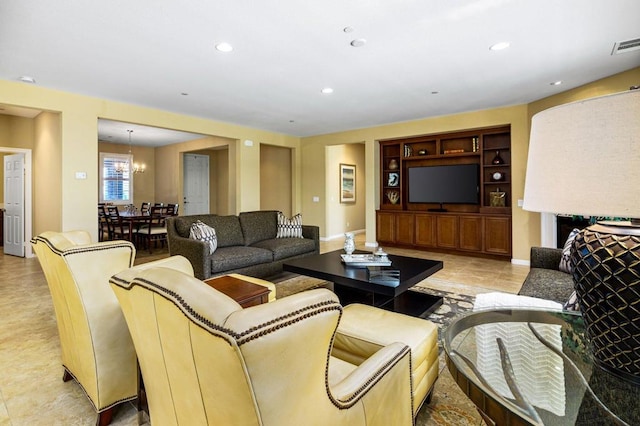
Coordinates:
<point>196,184</point>
<point>14,204</point>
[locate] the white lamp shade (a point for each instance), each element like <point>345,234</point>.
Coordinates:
<point>584,158</point>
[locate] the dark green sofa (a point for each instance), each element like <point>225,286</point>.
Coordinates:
<point>545,280</point>
<point>247,244</point>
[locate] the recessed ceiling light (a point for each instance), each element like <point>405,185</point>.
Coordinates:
<point>27,79</point>
<point>348,29</point>
<point>327,90</point>
<point>435,92</point>
<point>224,47</point>
<point>184,94</point>
<point>556,83</point>
<point>500,46</point>
<point>358,42</point>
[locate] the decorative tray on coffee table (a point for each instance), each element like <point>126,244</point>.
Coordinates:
<point>364,260</point>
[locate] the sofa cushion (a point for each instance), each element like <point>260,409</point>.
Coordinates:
<point>258,225</point>
<point>228,230</point>
<point>237,257</point>
<point>203,232</point>
<point>547,284</point>
<point>289,227</point>
<point>283,248</point>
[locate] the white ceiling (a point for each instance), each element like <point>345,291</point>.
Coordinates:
<point>150,52</point>
<point>117,132</point>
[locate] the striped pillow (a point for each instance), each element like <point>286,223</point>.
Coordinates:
<point>203,232</point>
<point>565,261</point>
<point>289,228</point>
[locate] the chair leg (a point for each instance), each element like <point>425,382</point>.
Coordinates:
<point>66,376</point>
<point>105,417</point>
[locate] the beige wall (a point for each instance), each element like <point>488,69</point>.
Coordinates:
<point>276,183</point>
<point>341,217</point>
<point>78,150</point>
<point>15,132</point>
<point>169,172</point>
<point>69,136</point>
<point>525,226</point>
<point>313,149</point>
<point>221,203</point>
<point>47,174</point>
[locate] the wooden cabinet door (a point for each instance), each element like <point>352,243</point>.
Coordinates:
<point>425,226</point>
<point>470,233</point>
<point>497,235</point>
<point>447,231</point>
<point>404,228</point>
<point>385,227</point>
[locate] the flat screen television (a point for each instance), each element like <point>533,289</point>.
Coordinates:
<point>454,184</point>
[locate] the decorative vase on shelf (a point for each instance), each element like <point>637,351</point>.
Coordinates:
<point>497,159</point>
<point>393,164</point>
<point>349,243</point>
<point>393,196</point>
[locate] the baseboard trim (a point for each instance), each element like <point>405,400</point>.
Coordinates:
<point>521,262</point>
<point>341,236</point>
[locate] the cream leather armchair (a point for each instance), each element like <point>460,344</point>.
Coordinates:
<point>97,350</point>
<point>205,360</point>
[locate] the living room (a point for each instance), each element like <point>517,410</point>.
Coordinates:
<point>44,136</point>
<point>61,140</point>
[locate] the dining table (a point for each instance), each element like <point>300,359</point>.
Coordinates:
<point>133,219</point>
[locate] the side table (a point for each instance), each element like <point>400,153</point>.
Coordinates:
<point>534,367</point>
<point>244,292</point>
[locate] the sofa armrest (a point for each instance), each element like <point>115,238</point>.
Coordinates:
<point>312,232</point>
<point>545,257</point>
<point>196,251</point>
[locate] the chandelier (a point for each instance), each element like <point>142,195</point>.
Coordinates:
<point>129,165</point>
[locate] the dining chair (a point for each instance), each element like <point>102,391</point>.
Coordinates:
<point>145,207</point>
<point>103,226</point>
<point>172,209</point>
<point>152,228</point>
<point>117,230</point>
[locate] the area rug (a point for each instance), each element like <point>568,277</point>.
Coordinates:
<point>449,406</point>
<point>454,303</point>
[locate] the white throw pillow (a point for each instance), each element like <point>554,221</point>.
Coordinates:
<point>572,304</point>
<point>565,264</point>
<point>203,232</point>
<point>289,228</point>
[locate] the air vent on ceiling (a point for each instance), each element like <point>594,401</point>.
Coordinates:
<point>626,46</point>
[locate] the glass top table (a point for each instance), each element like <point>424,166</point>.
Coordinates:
<point>533,366</point>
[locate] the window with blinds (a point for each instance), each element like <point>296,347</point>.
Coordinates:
<point>116,179</point>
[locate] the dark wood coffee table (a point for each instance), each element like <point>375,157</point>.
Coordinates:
<point>352,284</point>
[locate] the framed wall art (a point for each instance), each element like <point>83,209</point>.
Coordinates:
<point>347,183</point>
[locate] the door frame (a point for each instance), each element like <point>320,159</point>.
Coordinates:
<point>28,208</point>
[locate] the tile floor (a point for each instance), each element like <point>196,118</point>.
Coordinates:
<point>31,388</point>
